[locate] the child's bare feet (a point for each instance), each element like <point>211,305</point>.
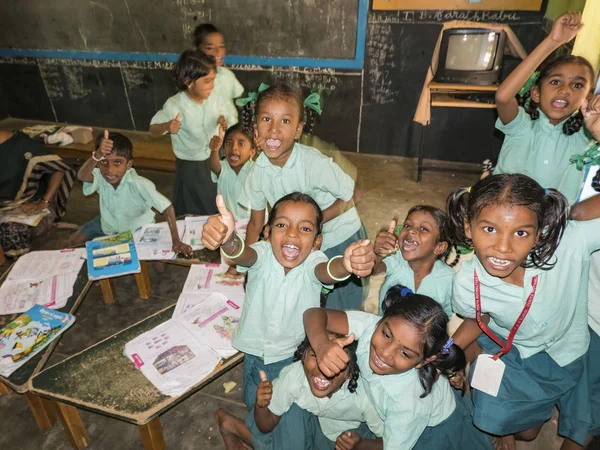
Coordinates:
<point>234,432</point>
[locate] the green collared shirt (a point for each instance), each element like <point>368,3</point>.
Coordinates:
<point>230,185</point>
<point>437,285</point>
<point>540,150</point>
<point>341,412</point>
<point>198,123</point>
<point>271,325</point>
<point>558,318</point>
<point>397,398</point>
<point>308,171</point>
<point>129,206</point>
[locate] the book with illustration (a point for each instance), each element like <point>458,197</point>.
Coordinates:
<point>106,259</point>
<point>29,333</point>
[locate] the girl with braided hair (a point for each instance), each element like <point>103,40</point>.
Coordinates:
<point>345,414</point>
<point>549,129</point>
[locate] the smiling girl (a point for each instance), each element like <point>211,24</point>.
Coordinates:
<point>285,166</point>
<point>524,299</point>
<point>286,272</point>
<point>541,137</point>
<point>414,258</point>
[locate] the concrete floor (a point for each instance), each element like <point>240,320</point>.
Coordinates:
<point>386,187</point>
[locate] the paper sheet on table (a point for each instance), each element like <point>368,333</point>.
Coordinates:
<point>154,242</point>
<point>193,231</point>
<point>209,278</point>
<point>213,321</point>
<point>38,265</point>
<point>51,292</point>
<point>171,357</point>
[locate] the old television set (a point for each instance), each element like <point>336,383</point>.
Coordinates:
<point>470,56</point>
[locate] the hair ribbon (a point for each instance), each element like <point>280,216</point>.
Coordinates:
<point>405,291</point>
<point>529,83</point>
<point>447,345</point>
<point>313,101</point>
<point>590,158</point>
<point>252,96</point>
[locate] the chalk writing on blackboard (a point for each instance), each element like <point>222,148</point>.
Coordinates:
<point>380,52</point>
<point>440,16</point>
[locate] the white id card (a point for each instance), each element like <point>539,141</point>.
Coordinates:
<point>488,374</point>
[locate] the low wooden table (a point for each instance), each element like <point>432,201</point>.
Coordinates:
<point>43,412</point>
<point>81,382</point>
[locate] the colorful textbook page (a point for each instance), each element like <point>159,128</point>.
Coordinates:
<point>154,241</point>
<point>29,333</point>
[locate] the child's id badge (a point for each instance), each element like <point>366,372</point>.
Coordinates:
<point>488,374</point>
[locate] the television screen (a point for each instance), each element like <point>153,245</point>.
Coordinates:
<point>472,51</point>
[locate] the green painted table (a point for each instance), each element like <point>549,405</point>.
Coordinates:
<point>19,379</point>
<point>81,381</point>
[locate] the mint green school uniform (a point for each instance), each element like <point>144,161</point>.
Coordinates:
<point>308,171</point>
<point>129,206</point>
<point>341,412</point>
<point>228,87</point>
<point>230,185</point>
<point>540,150</point>
<point>547,365</point>
<point>271,325</point>
<point>558,318</point>
<point>437,285</point>
<point>194,192</point>
<point>435,421</point>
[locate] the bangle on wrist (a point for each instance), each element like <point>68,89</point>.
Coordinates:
<point>239,253</point>
<point>96,159</point>
<point>329,271</point>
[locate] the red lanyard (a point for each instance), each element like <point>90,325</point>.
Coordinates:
<point>504,348</point>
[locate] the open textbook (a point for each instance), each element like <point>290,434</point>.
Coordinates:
<point>29,333</point>
<point>154,242</point>
<point>182,351</point>
<point>41,278</point>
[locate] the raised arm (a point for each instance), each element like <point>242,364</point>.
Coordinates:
<point>103,150</point>
<point>565,28</point>
<point>215,159</point>
<point>265,420</point>
<point>358,259</point>
<point>219,232</point>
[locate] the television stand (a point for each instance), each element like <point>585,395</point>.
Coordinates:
<point>447,95</point>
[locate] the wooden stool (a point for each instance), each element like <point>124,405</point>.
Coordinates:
<point>142,280</point>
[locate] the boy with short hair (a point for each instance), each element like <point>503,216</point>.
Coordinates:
<point>126,199</point>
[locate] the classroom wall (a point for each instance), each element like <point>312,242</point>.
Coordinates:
<point>368,110</point>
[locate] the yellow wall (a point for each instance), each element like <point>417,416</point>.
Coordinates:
<point>587,43</point>
<point>557,7</point>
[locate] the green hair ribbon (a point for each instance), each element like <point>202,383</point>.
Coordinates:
<point>529,84</point>
<point>590,158</point>
<point>313,101</point>
<point>464,249</point>
<point>252,96</point>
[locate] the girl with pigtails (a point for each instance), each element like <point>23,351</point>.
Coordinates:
<point>280,115</point>
<point>524,298</point>
<point>548,130</point>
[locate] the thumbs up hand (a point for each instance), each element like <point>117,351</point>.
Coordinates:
<point>174,125</point>
<point>359,258</point>
<point>217,141</point>
<point>219,228</point>
<point>331,356</point>
<point>264,392</point>
<point>386,241</point>
<point>106,145</point>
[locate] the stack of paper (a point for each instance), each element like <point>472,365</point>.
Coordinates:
<point>41,278</point>
<point>25,336</point>
<point>179,353</point>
